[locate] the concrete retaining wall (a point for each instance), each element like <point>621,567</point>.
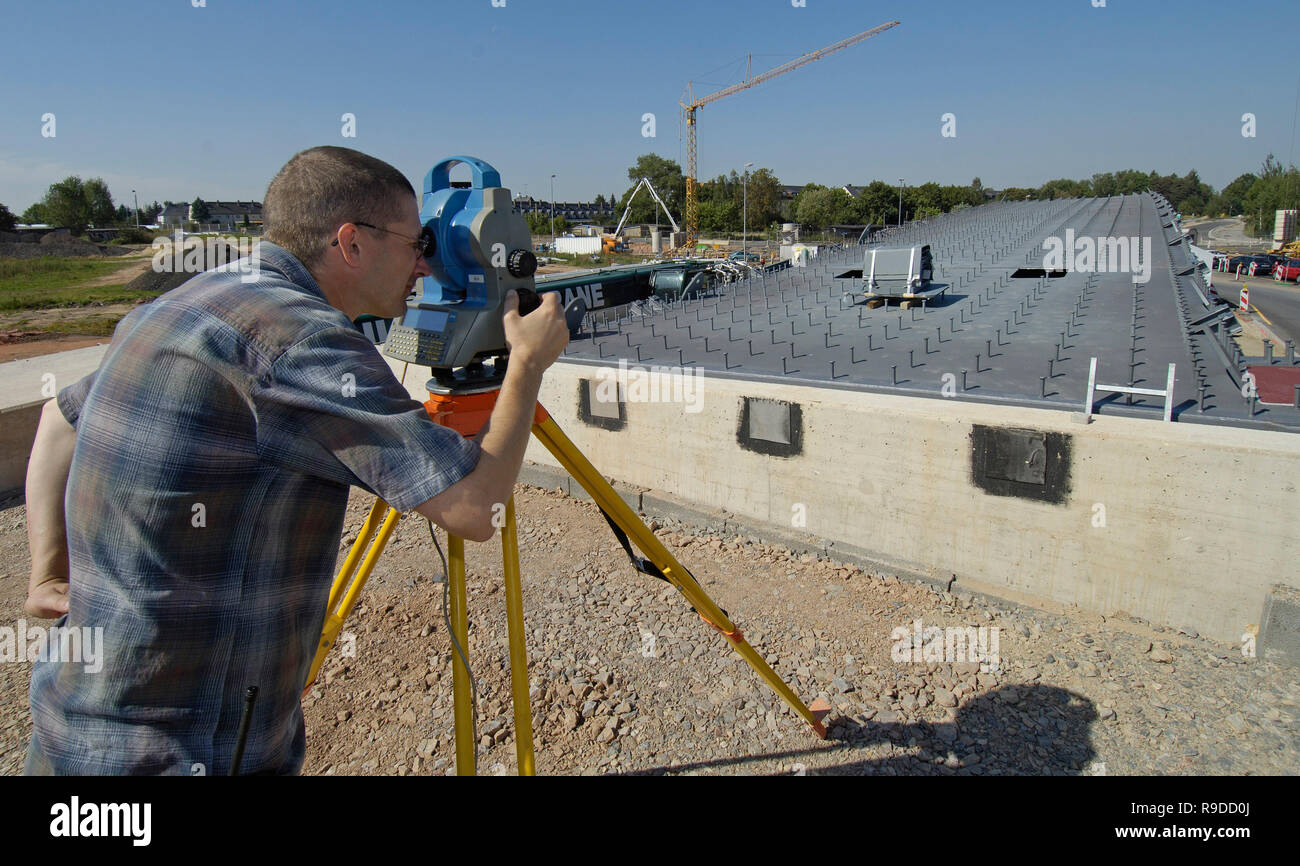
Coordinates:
<point>1186,525</point>
<point>1139,526</point>
<point>17,432</point>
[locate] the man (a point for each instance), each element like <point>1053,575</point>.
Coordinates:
<point>204,472</point>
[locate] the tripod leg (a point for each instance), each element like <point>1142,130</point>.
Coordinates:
<point>466,756</point>
<point>563,449</point>
<point>354,555</point>
<point>518,644</point>
<point>334,619</point>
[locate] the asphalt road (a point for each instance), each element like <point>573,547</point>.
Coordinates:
<point>1225,234</point>
<point>1278,303</point>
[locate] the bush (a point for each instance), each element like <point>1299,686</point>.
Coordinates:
<point>133,235</point>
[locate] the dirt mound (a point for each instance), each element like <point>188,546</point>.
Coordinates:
<point>164,281</point>
<point>73,247</point>
<point>153,281</point>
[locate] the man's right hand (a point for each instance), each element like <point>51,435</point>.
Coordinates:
<point>537,339</point>
<point>47,599</point>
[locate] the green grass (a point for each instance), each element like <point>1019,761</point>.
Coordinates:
<point>91,326</point>
<point>50,281</point>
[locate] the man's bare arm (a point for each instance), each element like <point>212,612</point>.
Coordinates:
<point>536,340</point>
<point>47,481</point>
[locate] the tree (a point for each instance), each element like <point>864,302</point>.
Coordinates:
<point>764,197</point>
<point>600,200</point>
<point>34,215</point>
<point>666,177</point>
<point>1274,189</point>
<point>75,205</point>
<point>7,221</point>
<point>717,215</point>
<point>99,202</point>
<point>539,223</point>
<point>199,211</point>
<point>814,206</point>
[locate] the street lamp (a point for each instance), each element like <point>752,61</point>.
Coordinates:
<point>137,208</point>
<point>552,213</point>
<point>744,232</point>
<point>900,202</point>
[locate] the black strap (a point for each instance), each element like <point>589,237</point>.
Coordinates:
<point>640,563</point>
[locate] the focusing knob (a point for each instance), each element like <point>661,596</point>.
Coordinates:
<point>521,263</point>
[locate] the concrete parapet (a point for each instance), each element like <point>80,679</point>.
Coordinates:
<point>1180,524</point>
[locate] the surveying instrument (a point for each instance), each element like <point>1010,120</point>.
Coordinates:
<point>477,246</point>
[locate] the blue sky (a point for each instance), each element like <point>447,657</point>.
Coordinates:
<point>177,101</point>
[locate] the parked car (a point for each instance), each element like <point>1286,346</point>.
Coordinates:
<point>1243,262</point>
<point>1261,266</point>
<point>1289,271</point>
<point>741,256</point>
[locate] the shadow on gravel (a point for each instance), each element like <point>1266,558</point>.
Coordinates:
<point>1030,731</point>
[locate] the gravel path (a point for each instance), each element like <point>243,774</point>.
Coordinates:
<point>1072,693</point>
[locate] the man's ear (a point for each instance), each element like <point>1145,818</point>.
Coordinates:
<point>345,240</point>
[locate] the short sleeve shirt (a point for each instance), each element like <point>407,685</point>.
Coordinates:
<point>215,449</point>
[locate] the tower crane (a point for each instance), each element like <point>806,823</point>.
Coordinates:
<point>692,216</point>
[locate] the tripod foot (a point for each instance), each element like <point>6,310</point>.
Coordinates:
<point>819,709</point>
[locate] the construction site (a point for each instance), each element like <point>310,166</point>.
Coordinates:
<point>1001,491</point>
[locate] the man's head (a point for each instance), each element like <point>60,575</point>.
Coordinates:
<point>353,222</point>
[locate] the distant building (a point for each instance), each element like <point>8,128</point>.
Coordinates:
<point>174,216</point>
<point>789,192</point>
<point>222,215</point>
<point>230,215</point>
<point>573,211</point>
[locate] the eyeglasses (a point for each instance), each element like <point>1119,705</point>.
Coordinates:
<point>426,245</point>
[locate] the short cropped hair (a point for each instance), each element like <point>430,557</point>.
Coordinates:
<point>322,188</point>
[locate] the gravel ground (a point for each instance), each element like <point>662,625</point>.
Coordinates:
<point>1073,693</point>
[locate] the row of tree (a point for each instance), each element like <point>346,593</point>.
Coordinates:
<point>723,207</point>
<point>1256,196</point>
<point>76,204</point>
<point>728,203</point>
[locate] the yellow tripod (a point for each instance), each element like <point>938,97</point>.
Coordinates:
<point>465,413</point>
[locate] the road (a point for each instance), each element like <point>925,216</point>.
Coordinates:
<point>1278,303</point>
<point>1223,234</point>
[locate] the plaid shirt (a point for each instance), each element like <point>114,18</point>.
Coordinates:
<point>216,445</point>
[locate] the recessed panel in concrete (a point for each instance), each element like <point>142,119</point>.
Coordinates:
<point>605,414</point>
<point>771,427</point>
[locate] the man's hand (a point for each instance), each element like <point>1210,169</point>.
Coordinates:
<point>537,339</point>
<point>467,507</point>
<point>48,598</point>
